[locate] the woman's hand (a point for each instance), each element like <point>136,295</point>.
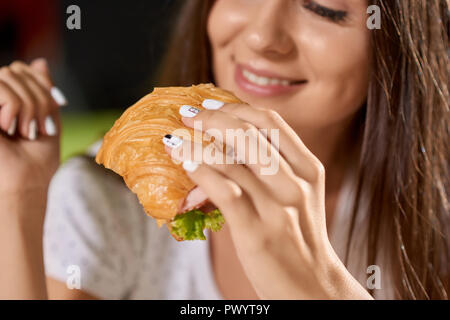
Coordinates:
<point>276,217</point>
<point>29,128</point>
<point>29,156</point>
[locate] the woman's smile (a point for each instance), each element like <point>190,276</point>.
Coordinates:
<point>264,83</point>
<point>280,56</point>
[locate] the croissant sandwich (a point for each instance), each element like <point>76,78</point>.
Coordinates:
<point>133,148</point>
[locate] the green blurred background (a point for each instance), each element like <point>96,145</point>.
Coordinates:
<point>82,129</point>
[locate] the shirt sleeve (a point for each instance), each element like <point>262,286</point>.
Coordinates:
<point>93,226</point>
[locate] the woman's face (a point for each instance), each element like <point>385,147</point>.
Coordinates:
<point>307,60</point>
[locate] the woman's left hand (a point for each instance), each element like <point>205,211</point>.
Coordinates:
<point>276,217</point>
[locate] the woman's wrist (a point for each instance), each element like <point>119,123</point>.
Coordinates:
<point>21,232</point>
<point>25,207</point>
<point>339,283</point>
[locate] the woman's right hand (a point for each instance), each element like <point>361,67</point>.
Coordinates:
<point>29,128</point>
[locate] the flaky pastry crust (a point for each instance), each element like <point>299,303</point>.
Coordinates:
<point>133,148</point>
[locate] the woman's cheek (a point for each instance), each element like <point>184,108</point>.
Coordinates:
<point>338,64</point>
<point>225,21</point>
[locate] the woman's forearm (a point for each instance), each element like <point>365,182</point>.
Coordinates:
<point>22,273</point>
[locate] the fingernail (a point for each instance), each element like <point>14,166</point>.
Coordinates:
<point>212,104</point>
<point>32,130</point>
<point>172,141</point>
<point>12,127</point>
<point>58,96</point>
<point>189,111</point>
<point>50,126</point>
<point>190,166</point>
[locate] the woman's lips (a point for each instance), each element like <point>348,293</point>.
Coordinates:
<point>264,83</point>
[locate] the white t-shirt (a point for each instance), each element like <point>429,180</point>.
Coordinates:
<point>97,225</point>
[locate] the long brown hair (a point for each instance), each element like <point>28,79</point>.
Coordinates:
<point>403,168</point>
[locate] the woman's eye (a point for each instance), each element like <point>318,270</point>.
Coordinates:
<point>331,14</point>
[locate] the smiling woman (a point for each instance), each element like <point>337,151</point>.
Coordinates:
<point>392,82</point>
<point>362,182</point>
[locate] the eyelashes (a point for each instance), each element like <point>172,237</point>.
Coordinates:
<point>331,14</point>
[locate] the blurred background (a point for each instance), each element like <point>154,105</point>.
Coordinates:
<point>103,68</point>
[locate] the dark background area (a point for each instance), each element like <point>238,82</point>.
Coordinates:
<point>109,63</point>
<point>103,68</point>
<point>115,55</point>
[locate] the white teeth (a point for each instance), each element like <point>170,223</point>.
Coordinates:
<point>263,81</point>
<point>275,82</point>
<point>252,77</point>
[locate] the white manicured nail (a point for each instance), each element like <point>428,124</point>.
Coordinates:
<point>12,127</point>
<point>32,130</point>
<point>212,104</point>
<point>172,141</point>
<point>58,96</point>
<point>189,111</point>
<point>50,126</point>
<point>190,166</point>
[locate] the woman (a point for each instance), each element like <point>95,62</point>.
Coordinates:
<point>368,107</point>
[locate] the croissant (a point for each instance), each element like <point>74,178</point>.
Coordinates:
<point>133,148</point>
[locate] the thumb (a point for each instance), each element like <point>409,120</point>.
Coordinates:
<point>40,65</point>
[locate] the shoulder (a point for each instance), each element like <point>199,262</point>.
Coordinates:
<point>83,171</point>
<point>81,189</point>
<point>81,179</point>
<point>93,221</point>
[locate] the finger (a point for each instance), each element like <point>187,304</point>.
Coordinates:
<point>42,72</point>
<point>10,104</point>
<point>232,202</point>
<point>59,97</point>
<point>39,70</point>
<point>183,152</point>
<point>260,196</point>
<point>26,123</point>
<point>251,147</point>
<point>45,104</point>
<point>281,135</point>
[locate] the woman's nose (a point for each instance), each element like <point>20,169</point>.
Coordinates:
<point>267,33</point>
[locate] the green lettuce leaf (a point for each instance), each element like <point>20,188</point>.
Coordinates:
<point>190,225</point>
